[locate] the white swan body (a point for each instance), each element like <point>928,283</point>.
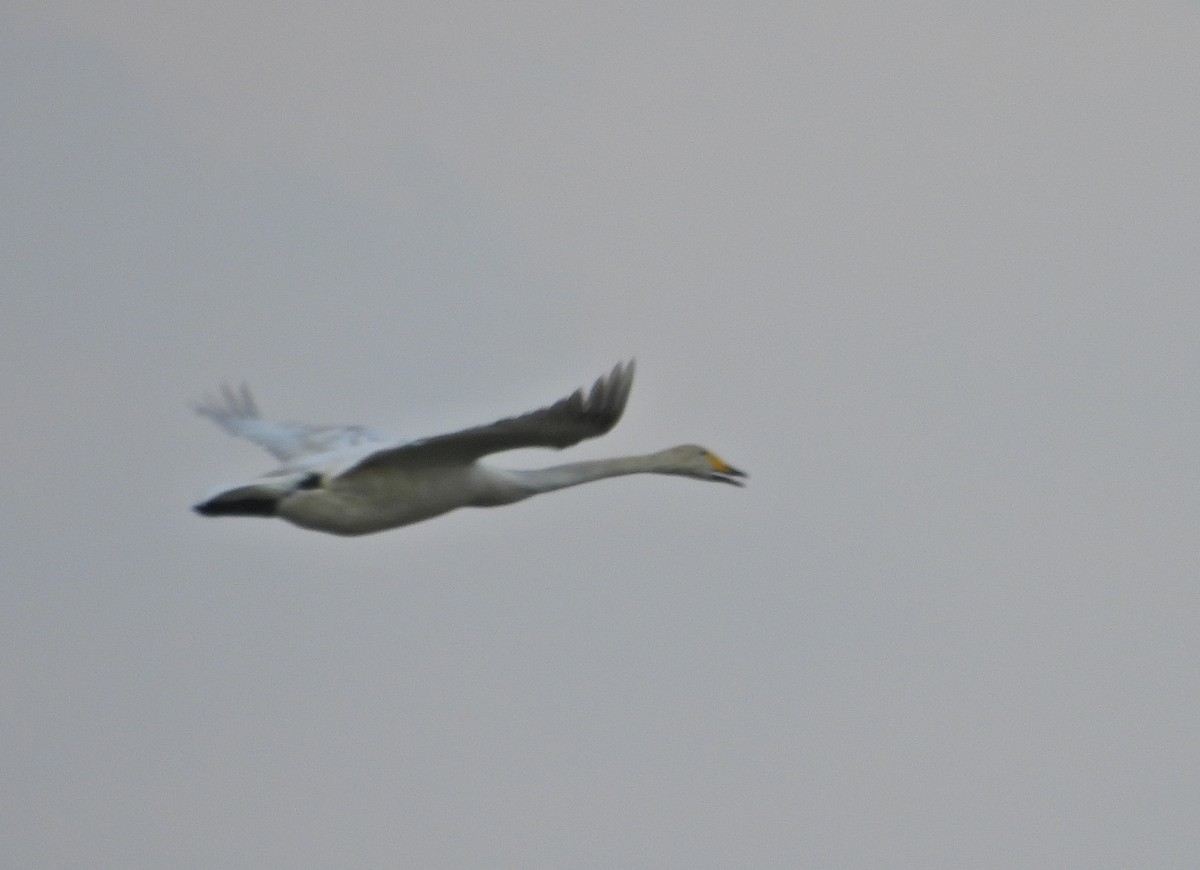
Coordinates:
<point>349,480</point>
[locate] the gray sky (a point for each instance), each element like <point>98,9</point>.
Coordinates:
<point>928,271</point>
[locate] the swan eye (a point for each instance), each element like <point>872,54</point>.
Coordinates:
<point>313,481</point>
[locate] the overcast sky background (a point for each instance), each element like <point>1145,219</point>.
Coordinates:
<point>928,271</point>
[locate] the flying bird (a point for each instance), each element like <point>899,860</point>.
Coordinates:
<point>350,480</point>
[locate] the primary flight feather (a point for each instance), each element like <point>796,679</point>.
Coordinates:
<point>350,480</point>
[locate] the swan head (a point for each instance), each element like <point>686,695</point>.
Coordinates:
<point>257,499</point>
<point>692,460</point>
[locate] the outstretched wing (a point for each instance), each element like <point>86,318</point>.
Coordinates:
<point>235,411</point>
<point>568,421</point>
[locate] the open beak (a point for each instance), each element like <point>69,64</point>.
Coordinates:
<point>726,473</point>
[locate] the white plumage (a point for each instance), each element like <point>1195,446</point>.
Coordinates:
<point>349,480</point>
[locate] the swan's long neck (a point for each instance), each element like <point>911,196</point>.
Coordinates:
<point>561,476</point>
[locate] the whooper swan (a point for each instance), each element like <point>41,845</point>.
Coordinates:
<point>349,480</point>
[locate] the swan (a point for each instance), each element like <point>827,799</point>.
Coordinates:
<point>351,480</point>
